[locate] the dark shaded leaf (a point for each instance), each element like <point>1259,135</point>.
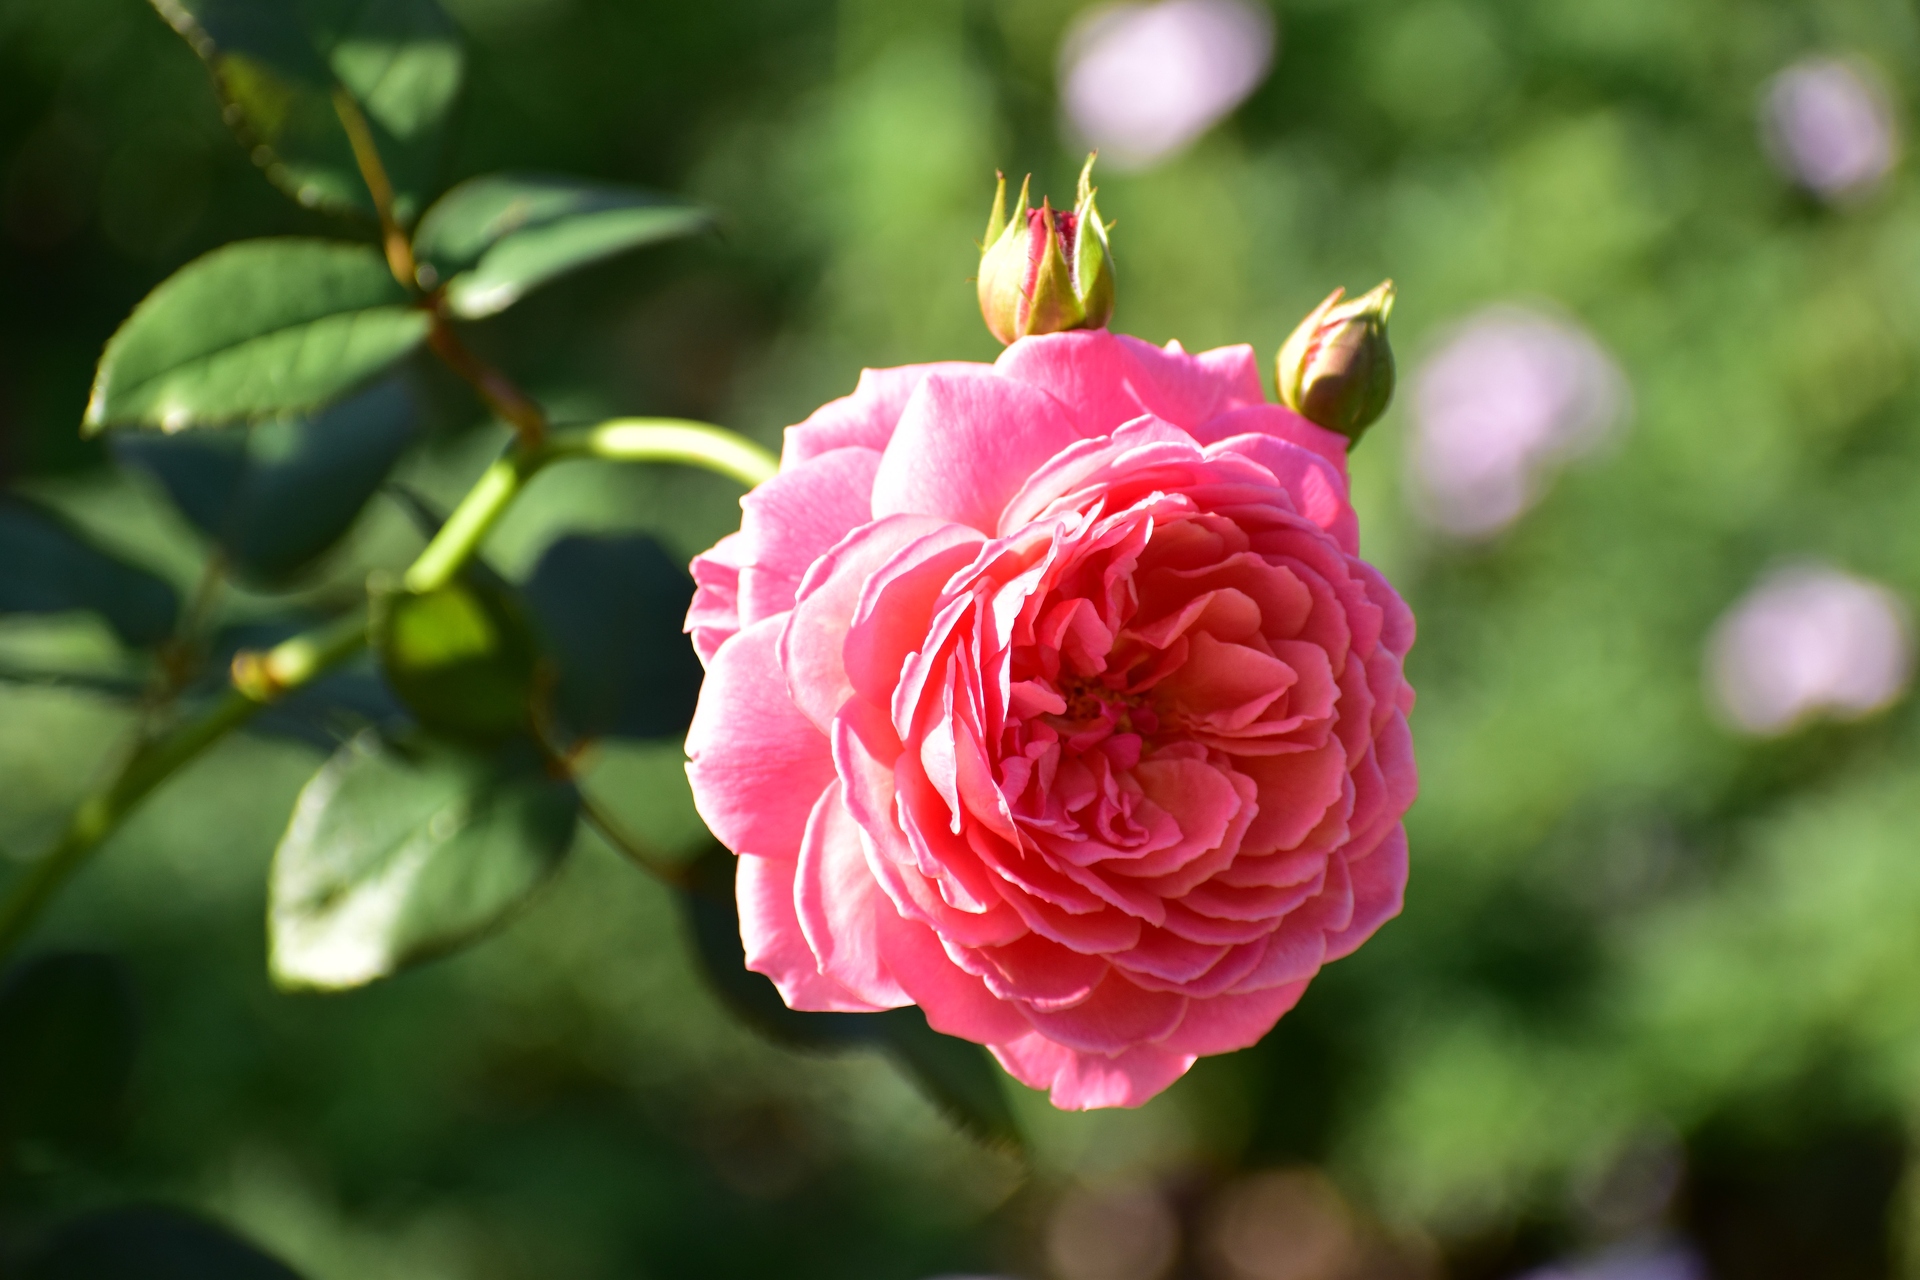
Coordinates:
<point>276,497</point>
<point>462,658</point>
<point>48,566</point>
<point>151,1243</point>
<point>257,329</point>
<point>715,923</point>
<point>400,852</point>
<point>960,1077</point>
<point>494,239</point>
<point>610,610</point>
<point>277,63</point>
<point>68,1032</point>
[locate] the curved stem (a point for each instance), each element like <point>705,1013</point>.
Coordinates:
<point>294,663</point>
<point>259,679</point>
<point>676,440</point>
<point>635,851</point>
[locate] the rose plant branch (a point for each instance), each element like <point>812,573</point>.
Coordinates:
<point>260,679</point>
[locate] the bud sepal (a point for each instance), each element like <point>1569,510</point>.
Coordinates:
<point>1045,270</point>
<point>1336,368</point>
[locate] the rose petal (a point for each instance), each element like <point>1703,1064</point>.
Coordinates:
<point>839,904</point>
<point>756,764</point>
<point>964,445</point>
<point>1085,1081</point>
<point>866,418</point>
<point>793,519</point>
<point>775,946</point>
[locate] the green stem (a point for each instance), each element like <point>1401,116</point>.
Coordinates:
<point>292,664</point>
<point>260,679</point>
<point>672,440</point>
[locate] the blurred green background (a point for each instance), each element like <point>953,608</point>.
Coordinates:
<point>1657,986</point>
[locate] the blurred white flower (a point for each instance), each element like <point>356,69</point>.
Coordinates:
<point>1828,126</point>
<point>1511,395</point>
<point>1629,1263</point>
<point>1141,81</point>
<point>1809,640</point>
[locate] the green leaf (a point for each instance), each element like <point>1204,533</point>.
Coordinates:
<point>150,1243</point>
<point>495,239</point>
<point>48,566</point>
<point>68,1031</point>
<point>263,328</point>
<point>277,65</point>
<point>958,1076</point>
<point>609,610</point>
<point>400,852</point>
<point>276,497</point>
<point>462,658</point>
<point>714,921</point>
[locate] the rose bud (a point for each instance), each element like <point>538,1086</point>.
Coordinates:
<point>1052,696</point>
<point>1336,370</point>
<point>1044,270</point>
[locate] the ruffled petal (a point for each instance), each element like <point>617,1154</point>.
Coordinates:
<point>775,946</point>
<point>1077,1081</point>
<point>866,418</point>
<point>964,445</point>
<point>756,764</point>
<point>793,519</point>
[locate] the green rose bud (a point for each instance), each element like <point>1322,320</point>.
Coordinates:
<point>1045,270</point>
<point>1336,370</point>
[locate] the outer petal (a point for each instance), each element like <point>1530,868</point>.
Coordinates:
<point>756,764</point>
<point>1225,1023</point>
<point>1379,891</point>
<point>714,615</point>
<point>793,519</point>
<point>1106,379</point>
<point>964,445</point>
<point>956,1003</point>
<point>770,931</point>
<point>1078,1081</point>
<point>1280,422</point>
<point>840,904</point>
<point>813,645</point>
<point>866,418</point>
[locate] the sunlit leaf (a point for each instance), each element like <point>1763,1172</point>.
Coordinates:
<point>276,497</point>
<point>462,658</point>
<point>48,566</point>
<point>494,239</point>
<point>277,64</point>
<point>610,611</point>
<point>262,328</point>
<point>150,1243</point>
<point>68,1030</point>
<point>397,853</point>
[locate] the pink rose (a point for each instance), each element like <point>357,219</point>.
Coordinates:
<point>1052,696</point>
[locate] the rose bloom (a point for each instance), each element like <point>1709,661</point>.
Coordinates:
<point>1052,696</point>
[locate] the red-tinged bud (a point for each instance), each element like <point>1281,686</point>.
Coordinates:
<point>1336,369</point>
<point>1045,270</point>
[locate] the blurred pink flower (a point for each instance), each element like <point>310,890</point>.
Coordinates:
<point>1809,640</point>
<point>1142,81</point>
<point>1052,696</point>
<point>1512,394</point>
<point>1828,126</point>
